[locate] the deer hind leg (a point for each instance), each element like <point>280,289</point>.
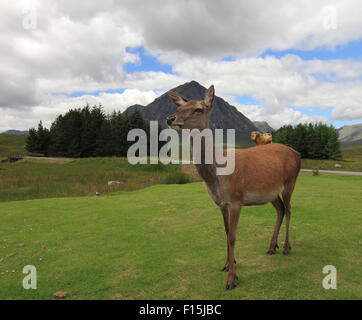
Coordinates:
<point>279,206</point>
<point>234,213</point>
<point>225,213</point>
<point>287,194</point>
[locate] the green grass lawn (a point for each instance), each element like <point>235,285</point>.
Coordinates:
<point>34,179</point>
<point>168,242</point>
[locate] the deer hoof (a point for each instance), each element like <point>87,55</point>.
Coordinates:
<point>287,249</point>
<point>231,286</point>
<point>225,269</point>
<point>271,252</point>
<point>272,249</point>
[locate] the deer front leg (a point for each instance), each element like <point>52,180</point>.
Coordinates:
<point>234,213</point>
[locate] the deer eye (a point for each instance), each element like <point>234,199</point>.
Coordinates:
<point>199,110</point>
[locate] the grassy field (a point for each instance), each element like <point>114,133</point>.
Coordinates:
<point>352,161</point>
<point>168,242</point>
<point>35,179</point>
<point>12,144</point>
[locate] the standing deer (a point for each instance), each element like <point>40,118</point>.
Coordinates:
<point>261,174</point>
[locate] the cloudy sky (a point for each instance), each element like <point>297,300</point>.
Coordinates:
<point>279,61</point>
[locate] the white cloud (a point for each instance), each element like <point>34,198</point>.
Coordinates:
<point>60,52</point>
<point>82,47</point>
<point>284,116</point>
<point>215,28</point>
<point>52,106</point>
<point>289,81</point>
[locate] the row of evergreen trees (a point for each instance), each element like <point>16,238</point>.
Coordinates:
<point>313,141</point>
<point>86,132</point>
<point>89,132</point>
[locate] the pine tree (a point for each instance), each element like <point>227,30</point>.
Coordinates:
<point>43,139</point>
<point>32,144</point>
<point>311,141</point>
<point>104,143</point>
<point>333,147</point>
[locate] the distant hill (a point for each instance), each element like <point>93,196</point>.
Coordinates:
<point>263,126</point>
<point>351,135</point>
<point>223,115</point>
<point>17,132</point>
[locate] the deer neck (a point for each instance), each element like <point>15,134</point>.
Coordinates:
<point>207,171</point>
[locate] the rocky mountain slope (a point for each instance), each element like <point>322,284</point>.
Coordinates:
<point>223,115</point>
<point>351,135</point>
<point>263,126</point>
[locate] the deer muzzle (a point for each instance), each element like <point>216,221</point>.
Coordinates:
<point>171,122</point>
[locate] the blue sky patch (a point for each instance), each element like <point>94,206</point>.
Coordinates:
<point>314,111</point>
<point>339,123</point>
<point>146,62</point>
<point>228,59</point>
<point>77,94</point>
<point>248,100</point>
<point>352,50</point>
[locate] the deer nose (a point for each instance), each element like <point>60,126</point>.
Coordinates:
<point>170,119</point>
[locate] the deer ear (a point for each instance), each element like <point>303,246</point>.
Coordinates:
<point>177,98</point>
<point>209,96</point>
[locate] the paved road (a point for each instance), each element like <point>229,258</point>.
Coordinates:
<point>349,173</point>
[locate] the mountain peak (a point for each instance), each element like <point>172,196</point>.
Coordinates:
<point>193,83</point>
<point>223,115</point>
<point>263,126</point>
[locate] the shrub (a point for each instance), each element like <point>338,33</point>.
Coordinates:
<point>177,178</point>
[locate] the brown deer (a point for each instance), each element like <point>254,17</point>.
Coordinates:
<point>261,139</point>
<point>261,174</point>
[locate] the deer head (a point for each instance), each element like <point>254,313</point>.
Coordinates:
<point>254,135</point>
<point>193,114</point>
